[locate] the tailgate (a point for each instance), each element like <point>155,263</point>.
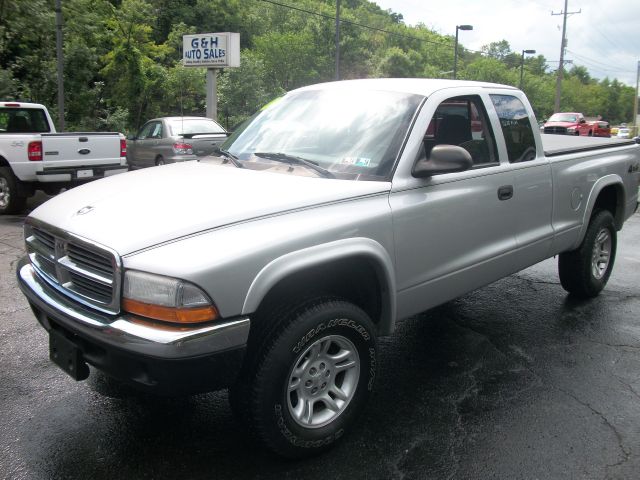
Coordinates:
<point>80,149</point>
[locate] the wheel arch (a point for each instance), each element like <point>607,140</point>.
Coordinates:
<point>607,194</point>
<point>357,269</point>
<point>4,162</point>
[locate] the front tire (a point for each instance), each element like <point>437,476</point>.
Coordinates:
<point>10,199</point>
<point>584,272</point>
<point>310,378</point>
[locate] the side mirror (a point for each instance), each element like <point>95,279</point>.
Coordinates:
<point>131,137</point>
<point>443,159</point>
<point>582,120</point>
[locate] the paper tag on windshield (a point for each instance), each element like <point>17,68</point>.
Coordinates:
<point>357,161</point>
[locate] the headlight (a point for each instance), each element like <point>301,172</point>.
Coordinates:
<point>165,298</point>
<point>571,130</point>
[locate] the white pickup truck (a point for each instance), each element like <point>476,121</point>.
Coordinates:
<point>34,157</point>
<point>344,207</point>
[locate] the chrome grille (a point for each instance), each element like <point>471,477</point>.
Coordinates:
<point>83,270</point>
<point>558,130</point>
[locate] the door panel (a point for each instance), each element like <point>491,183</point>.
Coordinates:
<point>452,235</point>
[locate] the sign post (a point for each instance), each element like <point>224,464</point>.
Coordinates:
<point>213,51</point>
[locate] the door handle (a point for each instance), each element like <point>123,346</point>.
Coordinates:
<point>505,192</point>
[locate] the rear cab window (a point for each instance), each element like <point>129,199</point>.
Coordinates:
<point>516,128</point>
<point>23,120</point>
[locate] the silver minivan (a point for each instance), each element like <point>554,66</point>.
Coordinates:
<point>173,139</point>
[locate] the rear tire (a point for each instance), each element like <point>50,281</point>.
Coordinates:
<point>584,272</point>
<point>160,161</point>
<point>308,378</point>
<point>11,200</point>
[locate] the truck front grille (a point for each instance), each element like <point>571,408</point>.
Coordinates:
<point>83,270</point>
<point>558,130</point>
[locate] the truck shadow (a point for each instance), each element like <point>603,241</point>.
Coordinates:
<point>443,378</point>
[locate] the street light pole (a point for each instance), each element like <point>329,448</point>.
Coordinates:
<point>531,52</point>
<point>338,40</point>
<point>60,66</point>
<point>635,102</point>
<point>455,50</point>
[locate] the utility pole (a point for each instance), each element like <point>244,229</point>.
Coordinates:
<point>563,45</point>
<point>635,103</point>
<point>59,54</point>
<point>337,39</point>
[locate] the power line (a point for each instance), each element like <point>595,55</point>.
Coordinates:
<point>355,24</point>
<point>598,64</point>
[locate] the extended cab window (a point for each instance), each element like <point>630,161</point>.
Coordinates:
<point>516,128</point>
<point>462,121</point>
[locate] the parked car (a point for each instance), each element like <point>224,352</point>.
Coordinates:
<point>173,139</point>
<point>599,128</point>
<point>34,157</point>
<point>623,132</point>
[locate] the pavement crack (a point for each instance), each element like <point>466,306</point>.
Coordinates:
<point>614,345</point>
<point>626,454</point>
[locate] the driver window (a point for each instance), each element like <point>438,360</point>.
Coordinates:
<point>146,131</point>
<point>462,121</point>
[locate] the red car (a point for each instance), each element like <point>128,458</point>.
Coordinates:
<point>599,128</point>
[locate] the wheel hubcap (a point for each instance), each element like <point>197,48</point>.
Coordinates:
<point>601,255</point>
<point>323,381</point>
<point>4,193</point>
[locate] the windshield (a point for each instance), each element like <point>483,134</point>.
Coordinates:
<point>353,134</point>
<point>192,126</point>
<point>563,117</point>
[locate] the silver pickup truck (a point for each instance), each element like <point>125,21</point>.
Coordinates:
<point>273,267</point>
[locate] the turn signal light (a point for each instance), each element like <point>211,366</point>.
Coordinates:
<point>170,314</point>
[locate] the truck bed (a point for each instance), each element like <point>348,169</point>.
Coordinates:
<point>555,145</point>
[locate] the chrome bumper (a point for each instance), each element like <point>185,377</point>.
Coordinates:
<point>122,332</point>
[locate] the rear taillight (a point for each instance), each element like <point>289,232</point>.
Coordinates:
<point>123,148</point>
<point>182,149</point>
<point>34,151</point>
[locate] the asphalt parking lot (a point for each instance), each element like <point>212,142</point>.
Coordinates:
<point>513,381</point>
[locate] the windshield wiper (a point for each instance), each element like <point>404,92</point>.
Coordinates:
<point>293,160</point>
<point>232,158</point>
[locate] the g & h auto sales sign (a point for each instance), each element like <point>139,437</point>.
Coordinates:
<point>211,50</point>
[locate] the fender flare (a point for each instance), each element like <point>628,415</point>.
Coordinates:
<point>294,262</point>
<point>598,186</point>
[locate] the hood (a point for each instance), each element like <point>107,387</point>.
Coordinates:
<point>136,210</point>
<point>561,124</point>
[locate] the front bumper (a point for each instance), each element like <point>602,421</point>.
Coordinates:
<point>168,360</point>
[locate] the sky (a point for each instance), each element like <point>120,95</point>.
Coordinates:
<point>604,37</point>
